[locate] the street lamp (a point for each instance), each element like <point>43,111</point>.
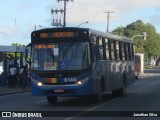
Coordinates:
<point>144,34</point>
<point>39,26</point>
<point>86,22</point>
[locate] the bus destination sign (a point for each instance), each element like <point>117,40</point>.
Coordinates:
<point>58,34</point>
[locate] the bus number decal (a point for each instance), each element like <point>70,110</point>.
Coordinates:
<point>70,80</point>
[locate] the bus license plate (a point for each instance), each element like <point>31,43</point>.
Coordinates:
<point>59,91</point>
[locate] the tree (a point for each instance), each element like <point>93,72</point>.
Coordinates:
<point>151,46</point>
<point>11,55</point>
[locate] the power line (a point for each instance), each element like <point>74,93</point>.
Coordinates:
<point>13,19</point>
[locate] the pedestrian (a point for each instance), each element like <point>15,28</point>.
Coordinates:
<point>8,75</point>
<point>12,77</point>
<point>25,77</point>
<point>17,72</point>
<point>21,75</point>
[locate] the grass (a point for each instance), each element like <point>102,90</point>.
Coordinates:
<point>151,67</point>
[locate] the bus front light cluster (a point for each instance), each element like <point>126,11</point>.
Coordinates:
<point>37,82</point>
<point>81,82</point>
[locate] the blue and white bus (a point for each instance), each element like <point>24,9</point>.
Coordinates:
<point>67,62</point>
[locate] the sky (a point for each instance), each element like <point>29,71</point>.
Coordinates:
<point>18,18</point>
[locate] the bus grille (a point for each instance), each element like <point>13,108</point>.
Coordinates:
<point>59,83</point>
<point>58,75</point>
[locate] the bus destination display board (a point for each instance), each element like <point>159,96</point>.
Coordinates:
<point>59,34</point>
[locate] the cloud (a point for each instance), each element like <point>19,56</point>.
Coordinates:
<point>6,35</point>
<point>9,35</point>
<point>155,19</point>
<point>6,31</point>
<point>93,10</point>
<point>24,5</point>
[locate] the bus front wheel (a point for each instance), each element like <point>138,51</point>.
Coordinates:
<point>52,99</point>
<point>98,96</point>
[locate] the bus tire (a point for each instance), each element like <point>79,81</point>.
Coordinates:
<point>52,99</point>
<point>121,91</point>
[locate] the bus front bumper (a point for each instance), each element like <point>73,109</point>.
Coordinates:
<point>62,90</point>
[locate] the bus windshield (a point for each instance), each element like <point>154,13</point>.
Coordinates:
<point>60,56</point>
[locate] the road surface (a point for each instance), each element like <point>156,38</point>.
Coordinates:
<point>142,98</point>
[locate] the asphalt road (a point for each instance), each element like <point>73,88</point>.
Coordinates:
<point>143,95</point>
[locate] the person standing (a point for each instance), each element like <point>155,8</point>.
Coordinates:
<point>21,76</point>
<point>12,77</point>
<point>25,77</point>
<point>8,75</point>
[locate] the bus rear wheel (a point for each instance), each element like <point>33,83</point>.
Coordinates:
<point>121,91</point>
<point>52,99</point>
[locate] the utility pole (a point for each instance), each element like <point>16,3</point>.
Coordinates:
<point>108,18</point>
<point>62,11</point>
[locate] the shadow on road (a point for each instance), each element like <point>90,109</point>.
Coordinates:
<point>86,101</point>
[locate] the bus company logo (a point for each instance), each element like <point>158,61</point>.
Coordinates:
<point>6,114</point>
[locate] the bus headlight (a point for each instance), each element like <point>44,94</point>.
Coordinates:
<point>39,84</point>
<point>81,82</point>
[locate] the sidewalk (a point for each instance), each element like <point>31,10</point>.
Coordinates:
<point>5,90</point>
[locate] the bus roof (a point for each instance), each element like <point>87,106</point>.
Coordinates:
<point>91,31</point>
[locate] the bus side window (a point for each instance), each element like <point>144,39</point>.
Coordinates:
<point>93,39</point>
<point>126,51</point>
<point>120,51</point>
<point>123,51</point>
<point>132,51</point>
<point>129,51</point>
<point>101,48</point>
<point>107,49</point>
<point>112,50</point>
<point>116,50</point>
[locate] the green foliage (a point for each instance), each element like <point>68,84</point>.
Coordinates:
<point>11,55</point>
<point>150,46</point>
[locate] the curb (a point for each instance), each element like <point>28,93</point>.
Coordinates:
<point>3,94</point>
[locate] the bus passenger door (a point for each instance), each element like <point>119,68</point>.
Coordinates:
<point>95,66</point>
